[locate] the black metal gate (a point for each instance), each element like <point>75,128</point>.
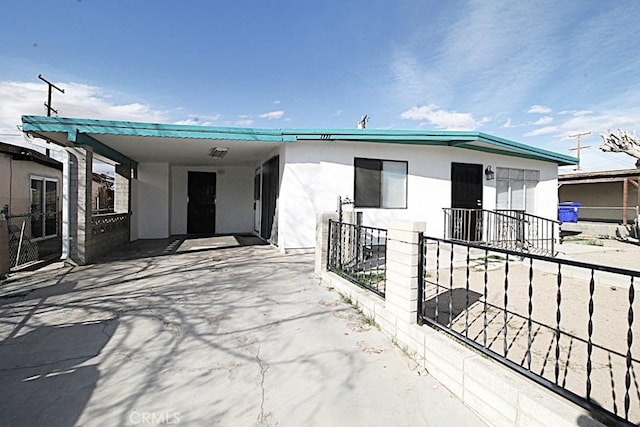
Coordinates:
<point>565,324</point>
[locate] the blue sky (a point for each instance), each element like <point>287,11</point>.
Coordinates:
<point>535,72</point>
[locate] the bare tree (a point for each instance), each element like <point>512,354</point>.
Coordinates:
<point>622,142</point>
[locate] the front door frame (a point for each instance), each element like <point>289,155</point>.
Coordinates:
<point>270,187</point>
<point>466,194</point>
<point>201,202</point>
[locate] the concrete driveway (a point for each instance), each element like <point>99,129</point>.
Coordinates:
<point>215,333</point>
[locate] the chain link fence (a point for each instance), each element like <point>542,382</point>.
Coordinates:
<point>33,237</point>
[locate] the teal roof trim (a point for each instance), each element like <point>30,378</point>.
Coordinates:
<point>104,150</point>
<point>111,127</point>
<point>463,139</point>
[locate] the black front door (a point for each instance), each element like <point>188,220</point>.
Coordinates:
<point>270,185</point>
<point>466,194</point>
<point>201,205</point>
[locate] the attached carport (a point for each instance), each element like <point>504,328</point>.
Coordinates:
<point>169,179</point>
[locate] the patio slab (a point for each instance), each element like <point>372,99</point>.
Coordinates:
<point>234,335</point>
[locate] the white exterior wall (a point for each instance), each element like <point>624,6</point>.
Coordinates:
<point>153,200</point>
<point>234,198</point>
<point>315,173</point>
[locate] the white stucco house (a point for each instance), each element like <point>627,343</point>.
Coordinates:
<point>181,179</point>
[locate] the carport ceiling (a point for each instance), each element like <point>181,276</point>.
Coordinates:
<point>188,151</point>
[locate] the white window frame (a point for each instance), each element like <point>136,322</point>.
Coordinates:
<point>44,181</point>
<point>529,205</point>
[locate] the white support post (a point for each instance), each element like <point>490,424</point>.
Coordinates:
<point>402,269</point>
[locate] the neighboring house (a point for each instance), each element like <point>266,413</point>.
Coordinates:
<point>30,194</point>
<point>180,179</point>
<point>606,196</point>
<point>102,193</point>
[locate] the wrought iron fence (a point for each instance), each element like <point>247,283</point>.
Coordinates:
<point>567,325</point>
<point>358,253</point>
<point>508,229</point>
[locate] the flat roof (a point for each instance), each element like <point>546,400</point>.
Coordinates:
<point>28,154</point>
<point>117,138</point>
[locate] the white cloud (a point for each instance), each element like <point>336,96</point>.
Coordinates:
<point>543,131</point>
<point>543,121</point>
<point>414,81</point>
<point>243,122</point>
<point>272,115</point>
<point>442,119</point>
<point>79,100</point>
<point>338,113</point>
<point>539,109</point>
<point>507,124</point>
<point>576,112</point>
<point>276,102</point>
<point>590,121</point>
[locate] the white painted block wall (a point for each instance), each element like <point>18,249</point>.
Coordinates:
<point>153,200</point>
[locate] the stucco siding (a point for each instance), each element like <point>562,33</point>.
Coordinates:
<point>15,183</point>
<point>234,198</point>
<point>5,179</point>
<point>153,200</point>
<point>600,196</point>
<point>315,174</point>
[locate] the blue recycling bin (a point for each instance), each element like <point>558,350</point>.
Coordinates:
<point>568,211</point>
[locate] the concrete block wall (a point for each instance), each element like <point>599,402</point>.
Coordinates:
<point>80,179</point>
<point>499,395</point>
<point>108,232</point>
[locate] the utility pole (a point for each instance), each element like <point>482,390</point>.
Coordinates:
<point>578,147</point>
<point>48,103</point>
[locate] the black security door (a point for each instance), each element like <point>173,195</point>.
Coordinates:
<point>201,209</point>
<point>270,185</point>
<point>466,193</point>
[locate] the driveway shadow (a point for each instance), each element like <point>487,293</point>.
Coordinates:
<point>44,376</point>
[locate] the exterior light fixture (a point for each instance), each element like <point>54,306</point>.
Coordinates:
<point>218,152</point>
<point>489,173</point>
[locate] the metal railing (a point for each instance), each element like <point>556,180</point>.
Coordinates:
<point>508,229</point>
<point>567,325</point>
<point>358,253</point>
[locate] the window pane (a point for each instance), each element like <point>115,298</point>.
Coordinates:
<point>516,174</point>
<point>51,206</point>
<point>517,195</point>
<point>530,196</point>
<point>394,184</point>
<point>36,208</point>
<point>367,183</point>
<point>532,175</point>
<point>502,190</point>
<point>502,173</point>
